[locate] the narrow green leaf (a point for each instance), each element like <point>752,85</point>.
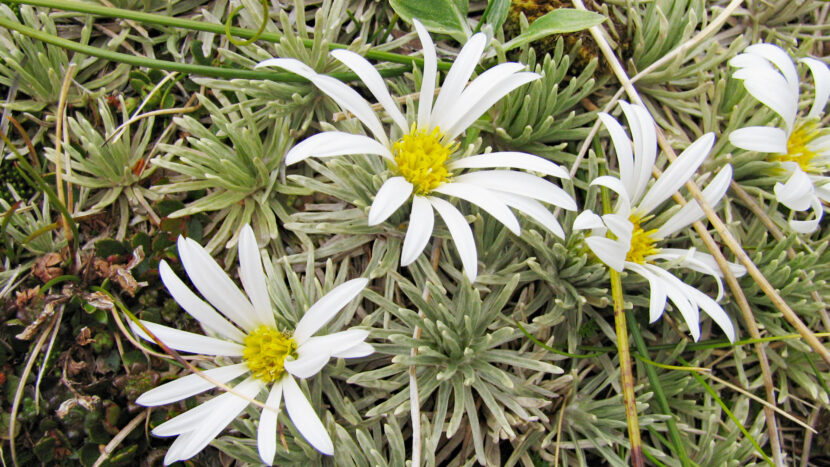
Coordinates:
<point>438,16</point>
<point>558,21</point>
<point>496,13</point>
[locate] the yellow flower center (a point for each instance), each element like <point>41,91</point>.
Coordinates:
<point>797,150</point>
<point>265,352</point>
<point>642,243</point>
<point>421,157</point>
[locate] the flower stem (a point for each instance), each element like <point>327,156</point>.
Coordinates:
<point>626,373</point>
<point>204,70</point>
<point>181,23</point>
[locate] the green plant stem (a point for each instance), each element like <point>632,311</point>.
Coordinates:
<point>660,395</point>
<point>708,345</point>
<point>552,349</point>
<point>728,412</point>
<point>45,188</point>
<point>189,68</point>
<point>626,373</point>
<point>164,20</point>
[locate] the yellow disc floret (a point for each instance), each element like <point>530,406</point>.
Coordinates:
<point>265,352</point>
<point>421,158</point>
<point>797,150</point>
<point>642,242</point>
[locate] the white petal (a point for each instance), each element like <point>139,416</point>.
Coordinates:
<point>267,431</point>
<point>821,77</point>
<point>657,295</point>
<point>335,143</point>
<point>190,385</point>
<point>214,422</point>
<point>347,98</point>
<point>421,223</point>
<point>522,184</point>
<point>748,60</point>
<point>760,139</point>
<point>711,308</point>
<point>810,226</point>
<point>215,285</point>
<point>678,173</point>
<point>770,88</point>
<point>392,194</point>
<point>687,259</point>
<point>656,300</point>
<point>360,350</point>
<point>475,91</point>
<point>610,252</point>
<point>678,293</point>
<point>587,220</point>
<point>463,67</point>
<point>194,418</point>
<point>461,235</point>
<point>308,363</point>
<point>797,194</point>
<point>645,146</point>
<point>187,341</point>
<point>483,198</point>
<point>614,184</point>
<point>779,58</point>
<point>333,344</point>
<point>428,79</point>
<point>474,106</point>
<point>305,418</point>
<point>708,261</point>
<point>625,158</point>
<point>196,307</point>
<point>533,209</point>
<point>253,277</point>
<point>516,160</point>
<point>692,211</point>
<point>621,227</point>
<point>327,307</point>
<point>372,79</point>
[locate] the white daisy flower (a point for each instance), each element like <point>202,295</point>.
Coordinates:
<point>269,358</point>
<point>802,147</point>
<point>421,152</point>
<point>636,243</point>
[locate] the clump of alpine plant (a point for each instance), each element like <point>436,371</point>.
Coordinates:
<point>422,153</point>
<point>468,360</point>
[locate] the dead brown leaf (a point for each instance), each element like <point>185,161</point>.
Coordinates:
<point>84,336</point>
<point>121,273</point>
<point>47,267</point>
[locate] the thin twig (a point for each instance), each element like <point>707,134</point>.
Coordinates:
<point>67,81</point>
<point>757,399</point>
<point>414,399</point>
<point>18,395</point>
<point>116,440</point>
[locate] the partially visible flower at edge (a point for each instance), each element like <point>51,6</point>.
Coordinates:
<point>801,147</point>
<point>271,358</point>
<point>635,246</point>
<point>422,155</point>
